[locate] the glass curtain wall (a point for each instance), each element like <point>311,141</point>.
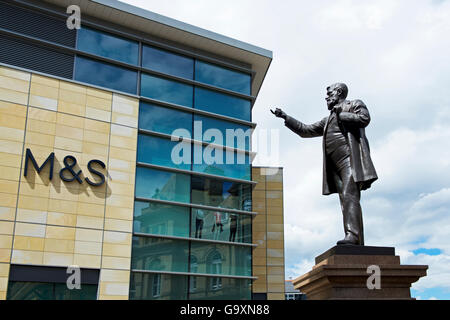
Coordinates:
<point>115,62</point>
<point>175,205</point>
<point>26,290</point>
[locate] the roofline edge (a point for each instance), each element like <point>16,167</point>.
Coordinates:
<point>183,26</point>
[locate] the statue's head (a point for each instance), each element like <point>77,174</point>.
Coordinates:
<point>335,94</point>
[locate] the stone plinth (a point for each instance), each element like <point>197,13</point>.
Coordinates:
<point>341,273</point>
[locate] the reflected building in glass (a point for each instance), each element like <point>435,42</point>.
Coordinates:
<point>155,100</point>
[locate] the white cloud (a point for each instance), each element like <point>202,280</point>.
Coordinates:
<point>357,15</point>
<point>438,274</point>
<point>299,268</point>
<point>431,206</point>
<point>408,157</point>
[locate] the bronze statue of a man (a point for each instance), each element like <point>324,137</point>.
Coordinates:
<point>347,166</point>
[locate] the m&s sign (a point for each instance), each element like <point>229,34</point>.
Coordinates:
<point>67,173</point>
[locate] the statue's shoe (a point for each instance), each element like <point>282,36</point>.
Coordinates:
<point>349,239</point>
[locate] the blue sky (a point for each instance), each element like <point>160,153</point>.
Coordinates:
<point>393,55</point>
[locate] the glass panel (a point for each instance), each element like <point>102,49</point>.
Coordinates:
<point>22,290</point>
<point>167,62</point>
<point>238,136</point>
<point>164,152</point>
<point>223,104</point>
<point>215,160</point>
<point>222,258</point>
<point>87,292</point>
<point>159,254</point>
<point>149,286</point>
<point>105,75</point>
<point>209,288</point>
<point>108,45</point>
<point>164,120</point>
<point>166,90</point>
<point>223,226</point>
<point>222,77</point>
<point>18,290</point>
<point>225,194</point>
<point>156,218</point>
<point>163,185</point>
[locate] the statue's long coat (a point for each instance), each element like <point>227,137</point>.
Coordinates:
<point>353,118</point>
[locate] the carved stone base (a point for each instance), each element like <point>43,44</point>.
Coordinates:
<point>341,273</point>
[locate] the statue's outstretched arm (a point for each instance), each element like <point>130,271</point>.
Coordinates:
<point>358,116</point>
<point>303,130</point>
<point>306,130</point>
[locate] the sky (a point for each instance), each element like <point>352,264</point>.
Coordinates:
<point>394,56</point>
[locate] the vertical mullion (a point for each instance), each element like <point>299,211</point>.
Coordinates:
<point>75,55</point>
<point>138,89</point>
<point>190,187</point>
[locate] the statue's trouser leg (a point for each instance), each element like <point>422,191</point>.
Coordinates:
<point>349,196</point>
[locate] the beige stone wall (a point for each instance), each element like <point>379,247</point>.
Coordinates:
<point>268,232</point>
<point>57,223</point>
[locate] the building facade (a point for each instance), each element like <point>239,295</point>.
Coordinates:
<point>291,293</point>
<point>107,133</point>
<point>268,234</point>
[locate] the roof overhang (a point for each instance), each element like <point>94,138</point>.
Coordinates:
<point>157,25</point>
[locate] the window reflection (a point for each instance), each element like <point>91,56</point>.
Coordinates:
<point>155,286</point>
<point>171,186</point>
<point>240,139</point>
<point>156,218</point>
<point>167,62</point>
<point>164,120</point>
<point>193,269</point>
<point>156,150</point>
<point>222,259</point>
<point>166,90</point>
<point>174,287</point>
<point>214,262</point>
<point>222,226</point>
<point>223,162</point>
<point>222,77</point>
<point>217,193</point>
<point>107,45</point>
<point>223,104</point>
<point>159,254</point>
<point>105,75</point>
<point>230,289</point>
<point>163,185</point>
<point>24,290</point>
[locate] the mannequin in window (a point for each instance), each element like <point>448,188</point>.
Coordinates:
<point>218,225</point>
<point>199,216</point>
<point>233,227</point>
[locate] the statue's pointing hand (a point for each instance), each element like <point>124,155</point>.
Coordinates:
<point>279,113</point>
